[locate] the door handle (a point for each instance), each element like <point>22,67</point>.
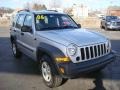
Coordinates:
<point>22,33</point>
<point>35,38</point>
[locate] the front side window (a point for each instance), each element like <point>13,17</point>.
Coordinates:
<point>28,21</point>
<point>53,21</point>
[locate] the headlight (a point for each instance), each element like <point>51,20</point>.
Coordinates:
<point>108,23</point>
<point>72,49</point>
<point>108,45</point>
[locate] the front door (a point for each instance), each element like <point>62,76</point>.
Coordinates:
<point>27,38</point>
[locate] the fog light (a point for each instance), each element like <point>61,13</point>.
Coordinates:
<point>62,70</point>
<point>62,59</point>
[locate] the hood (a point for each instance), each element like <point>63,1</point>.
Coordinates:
<point>114,20</point>
<point>79,37</point>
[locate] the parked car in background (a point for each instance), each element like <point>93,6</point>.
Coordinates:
<point>110,22</point>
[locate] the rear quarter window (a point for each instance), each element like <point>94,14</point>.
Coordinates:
<point>20,21</point>
<point>13,20</point>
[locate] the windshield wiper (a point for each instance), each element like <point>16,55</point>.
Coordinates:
<point>49,28</point>
<point>53,28</point>
<point>65,27</point>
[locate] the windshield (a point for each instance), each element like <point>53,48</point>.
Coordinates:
<point>112,17</point>
<point>53,21</point>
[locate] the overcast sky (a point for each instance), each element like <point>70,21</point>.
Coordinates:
<point>93,4</point>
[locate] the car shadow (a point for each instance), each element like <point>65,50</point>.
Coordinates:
<point>98,82</point>
<point>9,64</point>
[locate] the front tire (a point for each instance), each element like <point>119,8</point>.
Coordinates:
<point>101,27</point>
<point>15,50</point>
<point>48,73</point>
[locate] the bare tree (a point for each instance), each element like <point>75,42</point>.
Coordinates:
<point>68,11</point>
<point>5,10</point>
<point>55,3</point>
<point>114,7</point>
<point>38,7</point>
<point>27,5</point>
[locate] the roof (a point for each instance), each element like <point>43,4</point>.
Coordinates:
<point>41,12</point>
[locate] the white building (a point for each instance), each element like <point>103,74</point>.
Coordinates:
<point>80,11</point>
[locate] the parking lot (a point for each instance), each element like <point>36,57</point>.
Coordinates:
<point>23,74</point>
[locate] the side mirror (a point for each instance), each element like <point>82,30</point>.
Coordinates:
<point>103,18</point>
<point>79,25</point>
<point>26,29</point>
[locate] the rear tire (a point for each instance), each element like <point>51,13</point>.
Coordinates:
<point>106,28</point>
<point>48,73</point>
<point>15,50</point>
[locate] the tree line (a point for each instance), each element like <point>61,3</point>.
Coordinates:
<point>35,6</point>
<point>5,10</point>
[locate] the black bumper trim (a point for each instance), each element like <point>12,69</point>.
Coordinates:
<point>73,70</point>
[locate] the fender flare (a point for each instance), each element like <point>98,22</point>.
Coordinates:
<point>51,51</point>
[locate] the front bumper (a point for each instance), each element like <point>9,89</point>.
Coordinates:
<point>73,70</point>
<point>114,27</point>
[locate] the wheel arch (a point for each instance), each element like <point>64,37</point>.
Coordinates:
<point>51,51</point>
<point>12,38</point>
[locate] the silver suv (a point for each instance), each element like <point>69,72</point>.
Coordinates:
<point>62,49</point>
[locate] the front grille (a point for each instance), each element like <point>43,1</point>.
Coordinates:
<point>118,23</point>
<point>93,51</point>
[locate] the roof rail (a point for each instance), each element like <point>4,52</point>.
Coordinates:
<point>26,10</point>
<point>53,10</point>
<point>50,10</point>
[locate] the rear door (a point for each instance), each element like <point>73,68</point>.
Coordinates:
<point>12,25</point>
<point>17,29</point>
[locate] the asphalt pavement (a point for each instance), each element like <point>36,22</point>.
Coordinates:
<point>23,74</point>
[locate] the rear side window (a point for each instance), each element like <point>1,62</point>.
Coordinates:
<point>20,21</point>
<point>13,20</point>
<point>28,21</point>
